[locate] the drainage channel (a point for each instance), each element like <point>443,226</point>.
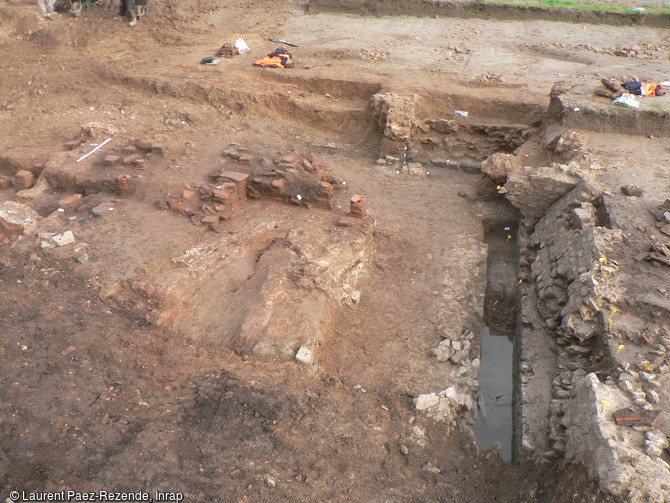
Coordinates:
<point>495,404</point>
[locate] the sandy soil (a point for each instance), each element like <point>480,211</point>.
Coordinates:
<point>140,407</point>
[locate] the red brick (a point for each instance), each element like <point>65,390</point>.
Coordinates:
<point>65,202</point>
<point>23,180</point>
<point>346,221</point>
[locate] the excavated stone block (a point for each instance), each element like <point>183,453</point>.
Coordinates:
<point>16,218</point>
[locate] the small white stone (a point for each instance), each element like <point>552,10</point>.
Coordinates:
<point>426,401</point>
<point>63,239</point>
<point>304,355</point>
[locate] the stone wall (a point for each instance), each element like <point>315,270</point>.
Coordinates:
<point>569,289</point>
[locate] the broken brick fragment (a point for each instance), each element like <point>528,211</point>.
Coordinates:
<point>220,196</point>
<point>69,200</point>
<point>68,350</point>
<point>630,416</point>
<point>123,182</point>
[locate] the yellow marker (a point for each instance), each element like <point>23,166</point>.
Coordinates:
<point>621,346</point>
<point>610,322</point>
<point>647,367</point>
<point>509,236</point>
<point>614,309</point>
<point>499,187</point>
<point>602,260</point>
<point>520,281</point>
<point>605,403</point>
<point>211,12</point>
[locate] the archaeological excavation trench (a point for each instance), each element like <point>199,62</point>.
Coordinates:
<point>273,253</point>
<point>547,381</point>
<point>390,274</point>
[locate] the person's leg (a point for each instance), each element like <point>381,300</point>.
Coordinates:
<point>142,7</point>
<point>132,10</point>
<point>44,9</point>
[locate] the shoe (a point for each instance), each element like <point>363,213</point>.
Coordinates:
<point>133,22</point>
<point>53,16</point>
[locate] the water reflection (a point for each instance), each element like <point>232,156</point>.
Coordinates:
<point>494,397</point>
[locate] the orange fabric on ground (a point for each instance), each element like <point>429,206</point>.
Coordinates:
<point>274,62</point>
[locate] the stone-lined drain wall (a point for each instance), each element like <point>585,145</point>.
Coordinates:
<point>569,289</point>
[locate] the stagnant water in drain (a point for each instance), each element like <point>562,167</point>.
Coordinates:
<point>494,396</point>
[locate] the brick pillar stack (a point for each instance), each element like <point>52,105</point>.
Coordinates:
<point>357,206</point>
<point>323,196</point>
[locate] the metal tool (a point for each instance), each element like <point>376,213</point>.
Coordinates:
<point>280,41</point>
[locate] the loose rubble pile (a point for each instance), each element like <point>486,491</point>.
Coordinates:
<point>456,401</point>
<point>290,178</point>
<point>660,248</point>
<point>638,51</point>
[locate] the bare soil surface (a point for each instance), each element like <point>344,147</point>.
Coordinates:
<point>142,406</point>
